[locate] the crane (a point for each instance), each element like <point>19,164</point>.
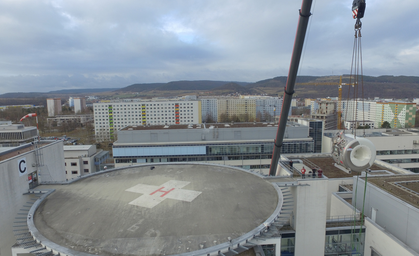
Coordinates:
<point>289,88</point>
<point>339,112</point>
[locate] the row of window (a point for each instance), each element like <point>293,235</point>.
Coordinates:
<point>402,161</point>
<point>397,152</point>
<point>75,163</point>
<point>77,172</point>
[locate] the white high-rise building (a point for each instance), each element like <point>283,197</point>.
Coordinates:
<point>79,105</point>
<point>209,110</point>
<point>71,102</point>
<point>358,110</point>
<point>54,106</point>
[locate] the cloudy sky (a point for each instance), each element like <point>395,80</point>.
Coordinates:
<point>58,44</point>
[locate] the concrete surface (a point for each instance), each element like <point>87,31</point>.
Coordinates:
<point>171,209</point>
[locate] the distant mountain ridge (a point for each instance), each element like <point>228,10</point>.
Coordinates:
<point>58,92</point>
<point>177,85</point>
<point>398,87</point>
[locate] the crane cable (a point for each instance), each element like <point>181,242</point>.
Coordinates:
<point>357,75</point>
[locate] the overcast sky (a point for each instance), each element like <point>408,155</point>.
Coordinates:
<point>52,44</point>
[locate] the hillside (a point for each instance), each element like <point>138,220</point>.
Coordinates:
<point>202,85</point>
<point>397,87</point>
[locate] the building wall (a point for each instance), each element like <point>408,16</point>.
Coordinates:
<point>398,114</point>
<point>383,242</point>
<point>79,160</point>
<point>209,109</point>
<point>54,107</point>
<point>310,217</point>
<point>237,107</point>
<point>268,108</point>
<point>111,117</point>
<point>333,207</point>
<point>79,105</point>
<point>394,215</point>
<point>13,186</point>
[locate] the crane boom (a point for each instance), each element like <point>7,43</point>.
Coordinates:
<point>289,89</point>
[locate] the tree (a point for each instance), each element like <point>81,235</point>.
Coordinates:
<point>223,118</point>
<point>209,118</point>
<point>364,127</point>
<point>386,125</point>
<point>258,116</point>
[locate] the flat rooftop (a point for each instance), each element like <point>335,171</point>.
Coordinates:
<point>156,210</point>
<point>326,164</point>
<point>207,126</point>
<point>14,151</point>
<point>404,187</point>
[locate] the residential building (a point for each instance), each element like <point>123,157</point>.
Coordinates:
<point>112,116</point>
<point>244,109</point>
<point>82,160</point>
<point>267,108</point>
<point>209,108</point>
<point>356,110</point>
<point>397,114</point>
<point>54,107</point>
<point>71,102</point>
<point>79,105</point>
<point>325,110</point>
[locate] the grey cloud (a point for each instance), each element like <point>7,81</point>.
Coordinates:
<point>83,43</point>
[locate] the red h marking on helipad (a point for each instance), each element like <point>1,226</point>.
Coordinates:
<point>164,192</point>
<point>170,190</point>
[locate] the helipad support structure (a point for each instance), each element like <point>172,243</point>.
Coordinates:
<point>164,209</point>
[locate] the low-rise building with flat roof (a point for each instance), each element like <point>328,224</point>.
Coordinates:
<point>246,145</point>
<point>82,160</point>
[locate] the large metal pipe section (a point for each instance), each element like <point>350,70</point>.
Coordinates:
<point>289,89</point>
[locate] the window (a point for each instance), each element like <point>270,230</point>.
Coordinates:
<point>85,162</point>
<point>74,172</point>
<point>86,170</point>
<point>73,164</point>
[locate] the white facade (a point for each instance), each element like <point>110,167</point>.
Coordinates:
<point>209,109</point>
<point>268,107</point>
<point>79,160</point>
<point>71,102</point>
<point>54,107</point>
<point>349,125</point>
<point>359,110</point>
<point>14,185</point>
<point>79,105</point>
<point>113,116</point>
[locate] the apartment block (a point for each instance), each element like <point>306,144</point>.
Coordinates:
<point>398,114</point>
<point>112,116</point>
<point>54,106</point>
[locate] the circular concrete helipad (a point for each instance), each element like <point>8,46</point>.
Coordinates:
<point>171,209</point>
